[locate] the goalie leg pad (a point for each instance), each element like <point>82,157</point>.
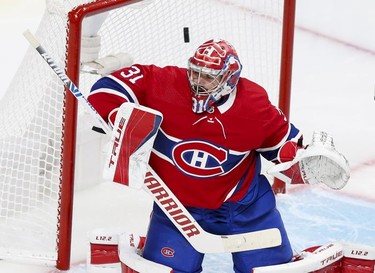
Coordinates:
<point>103,254</point>
<point>331,258</point>
<point>130,249</point>
<point>350,265</point>
<point>104,245</point>
<point>358,259</point>
<point>315,260</point>
<point>115,249</point>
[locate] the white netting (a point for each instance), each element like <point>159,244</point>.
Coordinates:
<point>32,110</point>
<point>252,26</point>
<point>31,118</point>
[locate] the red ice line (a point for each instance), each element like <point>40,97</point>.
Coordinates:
<point>354,169</point>
<point>336,40</point>
<point>365,164</point>
<point>357,168</point>
<point>301,28</point>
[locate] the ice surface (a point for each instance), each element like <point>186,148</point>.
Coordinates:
<point>333,89</point>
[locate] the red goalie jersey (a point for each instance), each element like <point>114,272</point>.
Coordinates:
<point>204,158</point>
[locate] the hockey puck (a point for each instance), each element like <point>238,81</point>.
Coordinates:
<point>186,35</point>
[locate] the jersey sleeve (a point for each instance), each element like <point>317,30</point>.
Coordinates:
<point>125,85</point>
<point>278,130</point>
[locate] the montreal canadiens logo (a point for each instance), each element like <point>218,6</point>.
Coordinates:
<point>199,159</point>
<point>167,252</point>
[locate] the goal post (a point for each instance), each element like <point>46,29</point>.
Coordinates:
<point>286,64</point>
<point>42,161</point>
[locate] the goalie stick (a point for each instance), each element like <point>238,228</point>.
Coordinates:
<point>201,240</point>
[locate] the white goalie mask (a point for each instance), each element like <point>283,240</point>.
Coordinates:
<point>213,72</point>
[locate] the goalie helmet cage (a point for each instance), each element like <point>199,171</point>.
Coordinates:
<point>38,141</point>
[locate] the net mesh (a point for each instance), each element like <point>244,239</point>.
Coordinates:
<point>152,32</point>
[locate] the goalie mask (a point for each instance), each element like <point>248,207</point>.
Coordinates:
<point>213,72</point>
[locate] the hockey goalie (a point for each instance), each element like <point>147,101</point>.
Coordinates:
<point>121,251</point>
<point>197,151</point>
<point>124,251</point>
<point>214,197</point>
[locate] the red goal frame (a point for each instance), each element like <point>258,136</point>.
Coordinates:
<point>286,70</point>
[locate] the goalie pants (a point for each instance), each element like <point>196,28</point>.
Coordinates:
<point>165,244</point>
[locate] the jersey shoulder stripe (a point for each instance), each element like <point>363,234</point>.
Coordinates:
<point>111,84</point>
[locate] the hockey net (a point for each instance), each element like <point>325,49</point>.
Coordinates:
<point>38,140</point>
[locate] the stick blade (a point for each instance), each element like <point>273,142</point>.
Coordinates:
<point>252,240</point>
<point>211,243</point>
